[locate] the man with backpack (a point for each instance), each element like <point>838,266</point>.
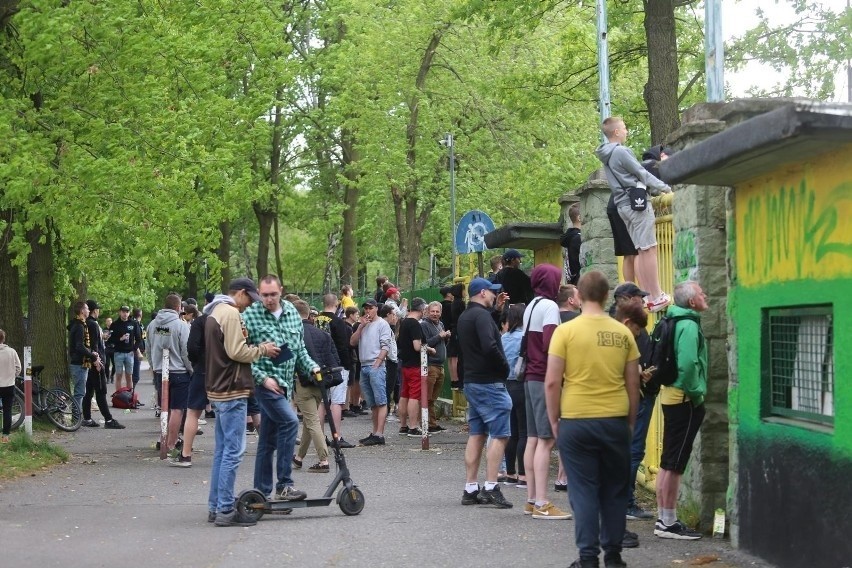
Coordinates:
<point>682,402</point>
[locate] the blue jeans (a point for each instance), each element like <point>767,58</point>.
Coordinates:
<point>637,448</point>
<point>79,374</point>
<point>374,385</point>
<point>230,447</point>
<point>279,427</point>
<point>596,456</point>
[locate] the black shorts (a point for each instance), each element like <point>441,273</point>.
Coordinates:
<point>178,390</point>
<point>197,391</point>
<point>621,241</point>
<point>681,423</point>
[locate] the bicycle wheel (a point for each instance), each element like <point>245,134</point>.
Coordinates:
<point>17,410</point>
<point>62,410</point>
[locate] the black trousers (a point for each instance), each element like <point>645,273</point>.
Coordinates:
<point>7,394</point>
<point>517,445</point>
<point>96,388</point>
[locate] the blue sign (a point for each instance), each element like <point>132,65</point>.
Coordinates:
<point>471,230</point>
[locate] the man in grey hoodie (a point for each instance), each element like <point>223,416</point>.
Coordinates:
<point>624,171</point>
<point>169,331</point>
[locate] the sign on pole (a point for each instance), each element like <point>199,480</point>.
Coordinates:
<point>424,398</point>
<point>28,390</point>
<point>471,231</point>
<point>164,407</point>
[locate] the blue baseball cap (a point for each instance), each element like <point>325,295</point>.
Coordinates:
<point>477,285</point>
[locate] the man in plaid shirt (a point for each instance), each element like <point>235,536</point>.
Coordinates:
<point>277,321</point>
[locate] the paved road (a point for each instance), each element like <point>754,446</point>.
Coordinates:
<point>116,504</point>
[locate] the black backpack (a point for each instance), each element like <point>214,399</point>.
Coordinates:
<point>663,355</point>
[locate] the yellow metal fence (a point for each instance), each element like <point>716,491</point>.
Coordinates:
<point>665,261</point>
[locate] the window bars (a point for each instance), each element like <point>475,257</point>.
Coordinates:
<point>800,351</point>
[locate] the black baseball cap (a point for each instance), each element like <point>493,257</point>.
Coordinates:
<point>629,290</point>
<point>93,305</point>
<point>370,304</point>
<point>124,309</point>
<point>247,285</point>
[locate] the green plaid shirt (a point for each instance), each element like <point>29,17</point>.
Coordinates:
<point>285,330</point>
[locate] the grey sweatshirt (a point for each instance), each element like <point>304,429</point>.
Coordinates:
<point>625,171</point>
<point>169,331</point>
<point>377,335</point>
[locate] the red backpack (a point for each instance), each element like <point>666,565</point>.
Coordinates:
<point>125,398</point>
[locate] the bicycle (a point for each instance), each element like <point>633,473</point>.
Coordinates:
<point>57,404</point>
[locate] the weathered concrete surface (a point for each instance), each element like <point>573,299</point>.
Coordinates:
<point>115,504</point>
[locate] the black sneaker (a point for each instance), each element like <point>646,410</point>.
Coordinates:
<point>585,563</point>
<point>403,430</point>
<point>494,497</point>
<point>614,561</point>
<point>363,441</point>
<point>630,540</point>
<point>471,498</point>
<point>209,414</point>
<point>90,423</point>
<point>113,425</point>
<point>636,513</point>
<point>344,444</point>
<point>559,486</point>
<point>375,441</point>
<point>211,516</point>
<point>348,414</point>
<point>436,428</point>
<point>180,461</point>
<point>676,531</point>
<point>233,519</point>
<point>415,433</point>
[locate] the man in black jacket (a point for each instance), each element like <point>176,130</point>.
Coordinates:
<point>340,333</point>
<point>96,379</point>
<point>81,351</point>
<point>515,281</point>
<point>571,241</point>
<point>489,404</point>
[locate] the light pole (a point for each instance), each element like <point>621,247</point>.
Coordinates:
<point>603,62</point>
<point>448,142</point>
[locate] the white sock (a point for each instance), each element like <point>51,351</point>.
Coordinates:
<point>668,516</point>
<point>471,487</point>
<point>490,485</point>
<point>540,504</point>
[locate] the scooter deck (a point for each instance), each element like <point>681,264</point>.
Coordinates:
<point>315,502</point>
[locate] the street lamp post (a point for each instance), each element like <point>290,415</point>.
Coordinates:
<point>448,142</point>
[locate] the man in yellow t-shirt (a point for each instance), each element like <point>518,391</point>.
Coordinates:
<point>592,394</point>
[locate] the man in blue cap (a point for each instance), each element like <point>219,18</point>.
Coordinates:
<point>515,281</point>
<point>488,401</point>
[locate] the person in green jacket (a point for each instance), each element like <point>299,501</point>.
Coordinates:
<point>683,408</point>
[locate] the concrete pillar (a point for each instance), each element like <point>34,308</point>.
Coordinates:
<point>596,252</point>
<point>699,254</point>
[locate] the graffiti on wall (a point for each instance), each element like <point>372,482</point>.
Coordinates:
<point>685,257</point>
<point>795,232</point>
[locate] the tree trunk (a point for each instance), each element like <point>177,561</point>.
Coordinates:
<point>46,315</point>
<point>11,310</point>
<point>661,90</point>
<point>279,270</point>
<point>330,251</point>
<point>351,192</point>
<point>224,255</point>
<point>265,219</point>
<point>191,277</point>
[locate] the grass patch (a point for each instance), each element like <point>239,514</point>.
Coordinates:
<point>24,455</point>
<point>689,512</point>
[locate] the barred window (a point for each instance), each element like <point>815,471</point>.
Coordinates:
<point>799,346</point>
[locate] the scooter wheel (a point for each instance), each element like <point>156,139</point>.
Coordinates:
<point>351,502</point>
<point>251,504</point>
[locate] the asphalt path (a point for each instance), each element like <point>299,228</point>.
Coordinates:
<point>115,504</point>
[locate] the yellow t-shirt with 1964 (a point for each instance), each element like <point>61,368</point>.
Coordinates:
<point>596,350</point>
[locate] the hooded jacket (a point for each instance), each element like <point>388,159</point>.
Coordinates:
<point>691,354</point>
<point>10,365</point>
<point>169,331</point>
<point>78,351</point>
<point>623,171</point>
<point>541,318</point>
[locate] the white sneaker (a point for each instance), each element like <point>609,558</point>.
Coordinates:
<point>202,422</point>
<point>658,304</point>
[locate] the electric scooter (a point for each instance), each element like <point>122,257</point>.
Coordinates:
<point>253,504</point>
